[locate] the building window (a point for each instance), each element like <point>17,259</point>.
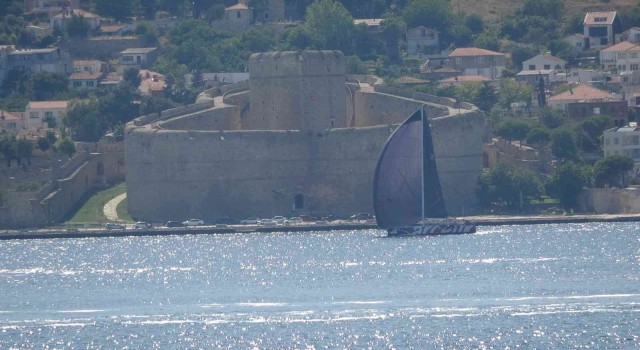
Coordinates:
<point>480,60</point>
<point>238,14</point>
<point>625,79</point>
<point>596,110</point>
<point>48,115</point>
<point>77,84</point>
<point>90,83</point>
<point>547,66</point>
<point>622,55</point>
<point>633,67</point>
<point>34,115</point>
<point>458,60</point>
<point>532,67</point>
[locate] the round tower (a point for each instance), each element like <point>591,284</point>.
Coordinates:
<point>297,91</point>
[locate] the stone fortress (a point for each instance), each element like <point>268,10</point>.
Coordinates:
<point>300,137</point>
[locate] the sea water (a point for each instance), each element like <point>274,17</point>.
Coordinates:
<point>538,286</point>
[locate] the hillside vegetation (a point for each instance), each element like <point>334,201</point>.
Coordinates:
<point>493,10</point>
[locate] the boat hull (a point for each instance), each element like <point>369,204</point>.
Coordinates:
<point>432,230</point>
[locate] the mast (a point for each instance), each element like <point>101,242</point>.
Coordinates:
<point>424,149</point>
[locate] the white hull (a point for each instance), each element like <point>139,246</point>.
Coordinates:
<point>431,229</point>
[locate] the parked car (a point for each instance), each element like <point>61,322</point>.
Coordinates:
<point>193,222</point>
<point>293,221</point>
<point>172,223</point>
<point>140,225</point>
<point>279,219</point>
<point>267,222</point>
<point>308,218</point>
<point>361,216</point>
<point>114,226</point>
<point>250,221</point>
<point>224,221</point>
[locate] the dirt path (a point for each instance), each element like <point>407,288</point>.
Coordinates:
<point>110,208</point>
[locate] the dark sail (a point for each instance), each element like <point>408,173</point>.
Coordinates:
<point>397,182</point>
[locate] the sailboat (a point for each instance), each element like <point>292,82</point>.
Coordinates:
<point>407,195</point>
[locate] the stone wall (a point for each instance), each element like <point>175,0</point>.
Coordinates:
<point>297,91</point>
<point>94,166</point>
<point>102,48</point>
<point>372,108</point>
<point>610,200</point>
<point>223,118</point>
<point>180,174</point>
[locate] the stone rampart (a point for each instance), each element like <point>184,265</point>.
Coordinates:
<point>180,174</point>
<point>297,91</point>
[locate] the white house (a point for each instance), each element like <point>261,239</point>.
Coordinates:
<point>577,41</point>
<point>139,57</point>
<point>543,62</point>
<point>422,40</point>
<point>623,56</point>
<point>90,66</point>
<point>238,17</point>
<point>12,122</point>
<point>39,112</point>
<point>476,61</point>
<point>85,80</point>
<point>624,141</point>
<point>62,18</point>
<point>631,34</point>
<point>600,29</point>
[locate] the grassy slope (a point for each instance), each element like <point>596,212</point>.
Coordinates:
<point>92,210</point>
<point>493,10</point>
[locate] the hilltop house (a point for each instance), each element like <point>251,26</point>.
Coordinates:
<point>622,56</point>
<point>12,122</point>
<point>544,61</point>
<point>623,141</point>
<point>52,60</point>
<point>85,80</point>
<point>584,101</point>
<point>577,41</point>
<point>476,61</point>
<point>141,57</point>
<point>151,83</point>
<point>422,40</point>
<point>631,34</point>
<point>43,114</point>
<point>600,29</point>
<point>91,66</point>
<point>61,19</point>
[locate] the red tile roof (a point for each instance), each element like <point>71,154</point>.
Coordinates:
<point>473,51</point>
<point>464,78</point>
<point>584,92</point>
<point>85,76</point>
<point>4,115</point>
<point>607,18</point>
<point>238,6</point>
<point>47,104</point>
<point>623,46</point>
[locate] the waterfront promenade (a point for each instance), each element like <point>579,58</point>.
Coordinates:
<point>320,226</point>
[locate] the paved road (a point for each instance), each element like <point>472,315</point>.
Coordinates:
<point>110,208</point>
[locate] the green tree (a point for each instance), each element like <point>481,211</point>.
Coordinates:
<point>83,122</point>
<point>591,130</point>
<point>474,22</point>
<point>538,137</point>
<point>118,9</point>
<point>508,185</point>
<point>24,149</point>
<point>612,171</point>
<point>45,86</point>
<point>552,118</point>
<point>487,97</point>
<point>511,91</point>
<point>66,146</point>
<point>489,39</point>
<point>132,77</point>
<point>394,29</point>
<point>77,27</point>
<point>330,26</point>
<point>513,130</point>
<point>563,144</point>
<point>436,14</point>
<point>567,182</point>
<point>553,9</point>
<point>8,146</point>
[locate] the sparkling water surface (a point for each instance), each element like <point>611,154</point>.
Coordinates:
<point>530,287</point>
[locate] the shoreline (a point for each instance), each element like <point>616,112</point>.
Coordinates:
<point>493,220</point>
